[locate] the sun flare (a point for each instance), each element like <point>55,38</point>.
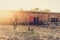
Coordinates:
<point>5,14</point>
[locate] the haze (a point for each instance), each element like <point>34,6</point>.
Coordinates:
<point>5,5</point>
<point>53,5</point>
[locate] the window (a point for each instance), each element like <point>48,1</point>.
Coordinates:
<point>54,19</point>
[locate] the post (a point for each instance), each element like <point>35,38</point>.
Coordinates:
<point>15,22</point>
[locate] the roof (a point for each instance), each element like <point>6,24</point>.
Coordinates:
<point>36,12</point>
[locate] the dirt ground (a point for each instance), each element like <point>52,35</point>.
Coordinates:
<point>44,33</point>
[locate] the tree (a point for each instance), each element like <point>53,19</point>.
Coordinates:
<point>34,9</point>
<point>21,9</point>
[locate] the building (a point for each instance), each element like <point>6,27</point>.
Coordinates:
<point>38,18</point>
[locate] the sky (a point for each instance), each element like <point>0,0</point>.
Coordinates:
<point>53,5</point>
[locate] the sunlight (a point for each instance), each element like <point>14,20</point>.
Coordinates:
<point>5,14</point>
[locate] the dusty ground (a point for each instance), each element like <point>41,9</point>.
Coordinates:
<point>7,31</point>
